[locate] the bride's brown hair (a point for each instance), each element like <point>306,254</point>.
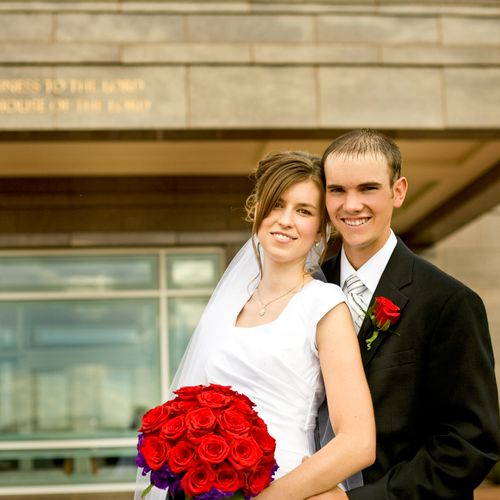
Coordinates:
<point>275,174</point>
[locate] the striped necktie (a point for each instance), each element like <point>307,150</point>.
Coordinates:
<point>354,289</point>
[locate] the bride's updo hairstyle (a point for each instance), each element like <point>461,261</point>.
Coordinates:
<point>274,175</point>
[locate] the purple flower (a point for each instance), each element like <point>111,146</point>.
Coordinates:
<point>164,478</point>
<point>140,461</point>
<point>214,494</point>
<point>273,470</point>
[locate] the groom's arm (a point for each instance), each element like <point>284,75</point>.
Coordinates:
<point>460,438</point>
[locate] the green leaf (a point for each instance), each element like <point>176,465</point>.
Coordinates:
<point>147,490</point>
<point>238,496</point>
<point>372,339</point>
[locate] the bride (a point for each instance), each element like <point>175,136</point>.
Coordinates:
<point>285,339</point>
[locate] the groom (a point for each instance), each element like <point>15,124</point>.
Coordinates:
<point>432,374</point>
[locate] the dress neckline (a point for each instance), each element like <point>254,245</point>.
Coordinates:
<point>281,314</point>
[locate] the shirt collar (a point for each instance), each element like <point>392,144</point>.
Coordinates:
<point>371,271</point>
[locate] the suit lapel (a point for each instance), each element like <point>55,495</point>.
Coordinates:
<point>397,274</point>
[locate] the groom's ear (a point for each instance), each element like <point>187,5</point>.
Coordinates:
<point>399,190</point>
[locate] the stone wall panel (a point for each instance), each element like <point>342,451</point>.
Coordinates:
<point>380,97</point>
<point>252,97</point>
<point>377,29</point>
<point>59,53</point>
<point>472,97</point>
<point>186,53</point>
<point>471,30</point>
<point>125,28</point>
<point>250,28</point>
<point>25,27</point>
<point>315,53</point>
<point>439,55</point>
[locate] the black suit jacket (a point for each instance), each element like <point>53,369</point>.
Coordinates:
<point>433,386</point>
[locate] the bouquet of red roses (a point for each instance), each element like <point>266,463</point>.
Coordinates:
<point>209,443</point>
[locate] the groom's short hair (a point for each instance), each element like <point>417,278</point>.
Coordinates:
<point>363,142</point>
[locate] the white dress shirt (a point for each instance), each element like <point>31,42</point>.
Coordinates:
<point>371,271</point>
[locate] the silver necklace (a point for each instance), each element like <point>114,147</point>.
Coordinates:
<point>263,307</point>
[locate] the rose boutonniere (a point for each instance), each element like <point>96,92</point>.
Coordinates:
<point>383,314</point>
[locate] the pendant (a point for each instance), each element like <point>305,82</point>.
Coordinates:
<point>262,311</point>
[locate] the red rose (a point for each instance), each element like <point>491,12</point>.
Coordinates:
<point>234,423</point>
<point>266,443</point>
<point>155,451</point>
<point>213,399</point>
<point>183,405</point>
<point>154,418</point>
<point>244,453</point>
<point>223,389</point>
<point>213,449</point>
<point>243,405</point>
<point>244,400</point>
<point>174,428</point>
<point>227,478</point>
<point>386,312</point>
<point>189,392</point>
<point>201,421</point>
<point>181,456</point>
<point>198,479</point>
<point>257,480</point>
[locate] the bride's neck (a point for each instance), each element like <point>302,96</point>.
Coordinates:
<point>276,277</point>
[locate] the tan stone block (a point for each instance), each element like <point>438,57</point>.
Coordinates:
<point>126,28</point>
<point>472,97</point>
<point>250,28</point>
<point>58,53</point>
<point>380,97</point>
<point>377,29</point>
<point>187,53</point>
<point>469,267</point>
<point>242,97</point>
<point>55,5</point>
<point>471,30</point>
<point>437,54</point>
<point>314,53</point>
<point>25,27</point>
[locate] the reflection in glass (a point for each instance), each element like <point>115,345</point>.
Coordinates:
<point>183,316</point>
<point>89,272</point>
<point>58,467</point>
<point>90,377</point>
<point>193,270</point>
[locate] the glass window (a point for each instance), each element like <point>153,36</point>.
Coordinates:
<point>183,316</point>
<point>83,355</point>
<point>79,363</point>
<point>92,272</point>
<point>193,271</point>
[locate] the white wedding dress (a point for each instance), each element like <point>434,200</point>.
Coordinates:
<point>277,366</point>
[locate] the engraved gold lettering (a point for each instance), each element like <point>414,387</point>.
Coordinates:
<point>123,85</point>
<point>88,105</point>
<point>59,106</point>
<point>55,86</point>
<point>129,105</point>
<point>77,86</point>
<point>21,86</point>
<point>22,106</point>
